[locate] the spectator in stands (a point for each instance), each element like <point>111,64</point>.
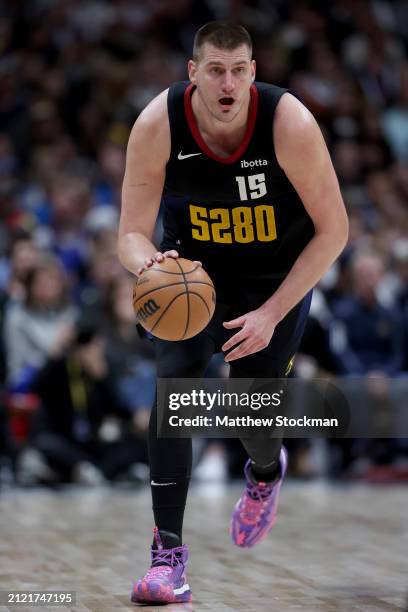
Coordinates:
<point>369,339</point>
<point>22,258</point>
<point>38,326</point>
<point>373,333</point>
<point>82,429</point>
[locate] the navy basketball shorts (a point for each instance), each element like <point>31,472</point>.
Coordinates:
<point>190,358</point>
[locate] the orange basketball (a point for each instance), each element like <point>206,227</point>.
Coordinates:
<point>175,299</point>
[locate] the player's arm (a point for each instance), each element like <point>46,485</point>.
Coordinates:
<point>303,155</point>
<point>147,154</point>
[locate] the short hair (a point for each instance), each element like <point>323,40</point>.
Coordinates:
<point>47,264</point>
<point>222,35</point>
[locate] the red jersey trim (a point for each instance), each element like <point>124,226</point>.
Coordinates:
<point>252,113</point>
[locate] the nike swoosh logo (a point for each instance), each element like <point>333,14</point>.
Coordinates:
<point>180,156</point>
<point>162,484</point>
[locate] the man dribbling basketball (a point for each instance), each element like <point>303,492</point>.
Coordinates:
<point>249,190</point>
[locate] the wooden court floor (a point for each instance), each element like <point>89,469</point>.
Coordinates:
<point>332,549</point>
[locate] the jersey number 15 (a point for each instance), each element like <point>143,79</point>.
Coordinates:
<point>240,224</point>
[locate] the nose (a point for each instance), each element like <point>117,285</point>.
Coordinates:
<point>228,83</point>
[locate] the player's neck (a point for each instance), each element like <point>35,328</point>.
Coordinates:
<point>219,134</point>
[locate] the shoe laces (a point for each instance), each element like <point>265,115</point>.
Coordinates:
<point>260,491</point>
<point>165,559</point>
<point>168,557</point>
<point>255,499</point>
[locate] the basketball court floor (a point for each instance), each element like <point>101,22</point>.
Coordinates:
<point>332,549</point>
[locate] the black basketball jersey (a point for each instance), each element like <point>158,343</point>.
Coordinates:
<point>239,215</point>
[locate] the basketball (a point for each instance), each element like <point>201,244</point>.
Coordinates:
<point>174,299</point>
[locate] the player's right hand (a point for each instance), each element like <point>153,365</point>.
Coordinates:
<point>157,257</point>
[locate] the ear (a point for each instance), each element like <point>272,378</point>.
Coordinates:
<point>253,70</point>
<point>192,69</point>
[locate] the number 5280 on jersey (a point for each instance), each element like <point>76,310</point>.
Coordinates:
<point>240,224</point>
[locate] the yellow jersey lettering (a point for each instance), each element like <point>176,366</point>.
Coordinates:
<point>196,214</point>
<point>243,224</point>
<point>218,229</point>
<point>265,223</point>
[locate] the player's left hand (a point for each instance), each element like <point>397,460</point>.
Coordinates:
<point>257,327</point>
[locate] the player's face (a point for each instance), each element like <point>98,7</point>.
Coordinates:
<point>223,79</point>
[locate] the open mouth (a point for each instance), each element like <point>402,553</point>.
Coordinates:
<point>226,101</point>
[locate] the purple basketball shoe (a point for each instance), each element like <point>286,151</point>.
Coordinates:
<point>255,512</point>
<point>165,581</point>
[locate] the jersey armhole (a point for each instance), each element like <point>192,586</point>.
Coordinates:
<point>175,91</point>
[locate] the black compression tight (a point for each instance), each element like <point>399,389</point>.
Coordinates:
<point>170,459</point>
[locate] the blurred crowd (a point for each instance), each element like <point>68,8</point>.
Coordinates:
<point>77,382</point>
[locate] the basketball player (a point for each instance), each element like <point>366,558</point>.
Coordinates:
<point>249,190</point>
